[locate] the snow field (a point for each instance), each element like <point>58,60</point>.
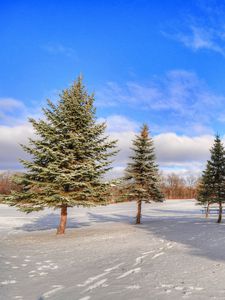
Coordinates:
<point>174,254</point>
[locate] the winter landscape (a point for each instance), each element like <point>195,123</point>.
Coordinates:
<point>175,254</point>
<point>112,150</point>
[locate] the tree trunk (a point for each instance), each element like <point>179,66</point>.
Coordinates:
<point>220,213</point>
<point>207,211</point>
<point>138,217</point>
<point>63,220</point>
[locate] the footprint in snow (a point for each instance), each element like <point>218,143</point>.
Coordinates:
<point>53,291</point>
<point>157,255</point>
<point>100,283</point>
<point>186,290</point>
<point>139,260</point>
<point>6,282</point>
<point>133,271</point>
<point>41,269</point>
<point>94,278</point>
<point>133,287</point>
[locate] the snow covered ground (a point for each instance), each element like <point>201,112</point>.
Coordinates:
<point>175,254</point>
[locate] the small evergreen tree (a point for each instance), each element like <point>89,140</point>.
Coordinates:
<point>142,172</point>
<point>212,185</point>
<point>68,158</point>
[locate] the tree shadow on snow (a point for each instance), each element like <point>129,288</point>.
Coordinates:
<point>101,218</point>
<point>202,237</point>
<point>51,221</point>
<point>180,212</point>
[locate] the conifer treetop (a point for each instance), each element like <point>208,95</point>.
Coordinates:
<point>142,170</point>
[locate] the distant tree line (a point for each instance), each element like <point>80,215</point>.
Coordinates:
<point>7,183</point>
<point>173,186</point>
<point>179,187</point>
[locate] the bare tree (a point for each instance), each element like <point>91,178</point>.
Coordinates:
<point>178,187</point>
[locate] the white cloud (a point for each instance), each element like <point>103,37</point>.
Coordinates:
<point>14,111</point>
<point>9,104</point>
<point>173,149</point>
<point>177,91</point>
<point>180,95</point>
<point>203,38</point>
<point>131,93</point>
<point>8,108</point>
<point>204,30</point>
<point>14,130</point>
<point>118,123</point>
<point>10,140</point>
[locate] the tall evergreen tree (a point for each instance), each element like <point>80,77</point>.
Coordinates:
<point>142,172</point>
<point>212,185</point>
<point>68,159</point>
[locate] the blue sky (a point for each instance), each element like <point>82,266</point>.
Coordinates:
<point>160,62</point>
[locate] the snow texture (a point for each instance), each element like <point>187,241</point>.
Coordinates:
<point>174,254</point>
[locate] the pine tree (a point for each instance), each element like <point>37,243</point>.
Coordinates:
<point>212,185</point>
<point>68,159</point>
<point>142,172</point>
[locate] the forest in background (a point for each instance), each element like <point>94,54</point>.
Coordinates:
<point>173,186</point>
